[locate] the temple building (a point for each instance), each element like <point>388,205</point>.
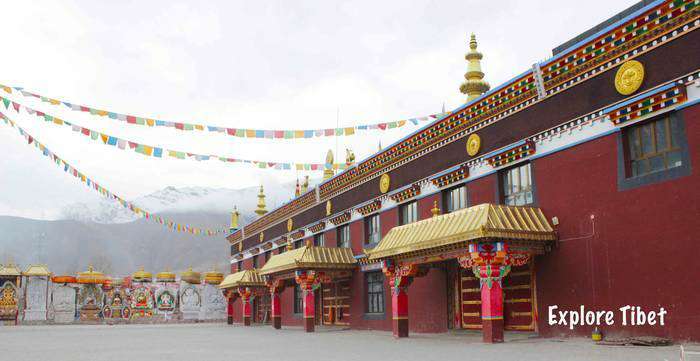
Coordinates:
<point>570,184</point>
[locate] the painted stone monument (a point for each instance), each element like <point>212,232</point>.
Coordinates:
<point>213,301</point>
<point>116,304</point>
<point>90,295</point>
<point>9,302</point>
<point>36,292</point>
<point>190,295</point>
<point>63,299</point>
<point>142,300</point>
<point>166,290</point>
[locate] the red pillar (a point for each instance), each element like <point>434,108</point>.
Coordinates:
<point>399,306</point>
<point>276,309</point>
<point>229,308</point>
<point>492,301</point>
<point>306,280</point>
<point>245,294</point>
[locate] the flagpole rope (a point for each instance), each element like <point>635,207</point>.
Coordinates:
<point>236,132</point>
<point>160,152</point>
<point>89,182</point>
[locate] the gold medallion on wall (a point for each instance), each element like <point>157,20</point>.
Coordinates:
<point>384,183</point>
<point>329,208</point>
<point>290,225</point>
<point>473,144</point>
<point>629,77</point>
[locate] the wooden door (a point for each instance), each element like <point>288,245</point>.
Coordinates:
<point>336,303</point>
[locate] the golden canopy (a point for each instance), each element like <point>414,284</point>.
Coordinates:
<point>91,276</point>
<point>213,277</point>
<point>245,278</point>
<point>165,276</point>
<point>191,276</point>
<point>142,276</point>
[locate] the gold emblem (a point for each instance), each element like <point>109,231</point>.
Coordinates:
<point>262,236</point>
<point>290,225</point>
<point>384,183</point>
<point>329,208</point>
<point>629,77</point>
<point>473,145</point>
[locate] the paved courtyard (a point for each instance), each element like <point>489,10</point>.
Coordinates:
<point>205,342</point>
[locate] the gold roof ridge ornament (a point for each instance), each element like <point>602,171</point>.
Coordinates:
<point>629,77</point>
<point>234,218</point>
<point>261,210</point>
<point>435,210</point>
<point>475,85</point>
<point>305,185</point>
<point>328,171</point>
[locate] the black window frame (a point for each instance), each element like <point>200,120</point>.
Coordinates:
<point>502,183</point>
<point>255,261</point>
<point>413,205</point>
<point>447,198</point>
<point>341,242</point>
<point>298,300</point>
<point>624,179</point>
<point>319,239</point>
<point>299,243</point>
<point>376,294</point>
<point>368,234</point>
<point>240,265</point>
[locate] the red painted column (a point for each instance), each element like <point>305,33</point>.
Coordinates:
<point>245,294</point>
<point>399,306</point>
<point>229,308</point>
<point>492,301</point>
<point>306,280</point>
<point>276,309</point>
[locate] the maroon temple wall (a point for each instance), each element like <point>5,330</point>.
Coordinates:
<point>644,248</point>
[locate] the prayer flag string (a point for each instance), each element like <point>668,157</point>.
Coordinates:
<point>92,184</point>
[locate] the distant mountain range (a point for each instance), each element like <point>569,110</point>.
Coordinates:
<point>114,240</point>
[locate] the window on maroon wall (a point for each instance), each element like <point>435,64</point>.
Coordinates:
<point>282,249</point>
<point>408,213</point>
<point>373,231</point>
<point>240,265</point>
<point>454,199</point>
<point>267,256</point>
<point>255,261</point>
<point>319,239</point>
<point>298,243</point>
<point>517,185</point>
<point>298,299</point>
<point>653,146</point>
<point>344,236</point>
<point>374,285</point>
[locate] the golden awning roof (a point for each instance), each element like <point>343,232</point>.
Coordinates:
<point>310,257</point>
<point>456,228</point>
<point>10,270</point>
<point>245,278</point>
<point>37,270</point>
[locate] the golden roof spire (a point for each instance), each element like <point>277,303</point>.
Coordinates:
<point>305,185</point>
<point>435,210</point>
<point>328,171</point>
<point>474,85</point>
<point>234,218</point>
<point>297,189</point>
<point>261,202</point>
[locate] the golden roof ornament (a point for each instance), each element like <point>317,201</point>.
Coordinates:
<point>297,189</point>
<point>435,210</point>
<point>261,202</point>
<point>191,276</point>
<point>91,276</point>
<point>474,85</point>
<point>290,245</point>
<point>165,276</point>
<point>213,277</point>
<point>305,185</point>
<point>234,218</point>
<point>328,172</point>
<point>142,276</point>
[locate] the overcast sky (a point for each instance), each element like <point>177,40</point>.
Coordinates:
<point>257,64</point>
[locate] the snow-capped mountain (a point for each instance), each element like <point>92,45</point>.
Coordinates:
<point>180,200</point>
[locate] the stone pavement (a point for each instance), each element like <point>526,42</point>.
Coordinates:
<point>216,341</point>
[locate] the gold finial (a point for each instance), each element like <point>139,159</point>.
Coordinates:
<point>474,85</point>
<point>435,211</point>
<point>297,189</point>
<point>328,171</point>
<point>309,243</point>
<point>305,186</point>
<point>290,245</point>
<point>261,203</point>
<point>234,218</point>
